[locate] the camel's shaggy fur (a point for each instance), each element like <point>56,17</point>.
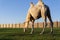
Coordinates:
<point>37,11</point>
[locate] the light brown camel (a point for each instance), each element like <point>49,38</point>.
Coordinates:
<point>38,11</point>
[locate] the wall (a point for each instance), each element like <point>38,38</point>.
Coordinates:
<point>36,25</point>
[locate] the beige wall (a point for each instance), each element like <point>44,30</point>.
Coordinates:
<point>21,25</point>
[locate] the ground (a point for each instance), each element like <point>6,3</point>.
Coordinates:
<point>18,34</point>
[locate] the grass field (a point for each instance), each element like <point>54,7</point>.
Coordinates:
<point>18,34</point>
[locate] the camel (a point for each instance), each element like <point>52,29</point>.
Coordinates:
<point>38,11</point>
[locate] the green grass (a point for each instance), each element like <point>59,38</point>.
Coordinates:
<point>18,34</point>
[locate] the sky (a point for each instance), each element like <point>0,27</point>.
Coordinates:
<point>15,11</point>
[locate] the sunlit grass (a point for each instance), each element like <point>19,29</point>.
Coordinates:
<point>18,34</point>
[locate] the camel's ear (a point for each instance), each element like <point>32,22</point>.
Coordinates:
<point>31,4</point>
<point>39,0</point>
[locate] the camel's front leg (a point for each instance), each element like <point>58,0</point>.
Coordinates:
<point>26,25</point>
<point>32,30</point>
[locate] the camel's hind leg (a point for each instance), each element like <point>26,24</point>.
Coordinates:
<point>45,24</point>
<point>51,24</point>
<point>26,25</point>
<point>43,14</point>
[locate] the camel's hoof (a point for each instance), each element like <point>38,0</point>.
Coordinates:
<point>31,32</point>
<point>51,32</point>
<point>24,30</point>
<point>41,33</point>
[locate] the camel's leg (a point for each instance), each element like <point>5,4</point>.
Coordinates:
<point>45,24</point>
<point>32,30</point>
<point>26,25</point>
<point>43,14</point>
<point>51,24</point>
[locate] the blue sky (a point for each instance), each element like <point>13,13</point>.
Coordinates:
<point>14,11</point>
